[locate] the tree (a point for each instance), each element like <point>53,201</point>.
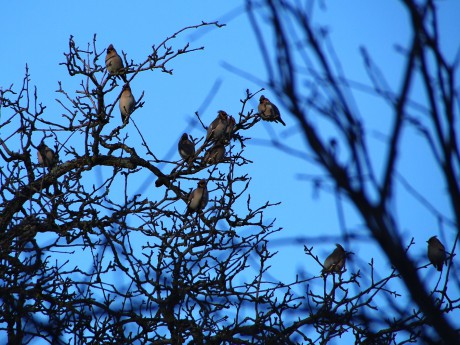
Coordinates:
<point>308,77</point>
<point>172,271</point>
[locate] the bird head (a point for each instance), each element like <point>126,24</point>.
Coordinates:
<point>202,183</point>
<point>110,48</point>
<point>184,136</point>
<point>432,239</point>
<point>222,114</point>
<point>262,99</point>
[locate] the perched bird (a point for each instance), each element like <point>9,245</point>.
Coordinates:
<point>49,159</point>
<point>268,111</point>
<point>114,63</point>
<point>335,262</point>
<point>126,103</point>
<point>198,198</point>
<point>214,155</point>
<point>230,128</point>
<point>46,156</point>
<point>436,253</point>
<point>217,127</point>
<point>186,148</point>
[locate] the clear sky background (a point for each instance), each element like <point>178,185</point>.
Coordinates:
<point>37,33</point>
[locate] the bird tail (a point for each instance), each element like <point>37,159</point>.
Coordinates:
<point>57,191</point>
<point>125,118</point>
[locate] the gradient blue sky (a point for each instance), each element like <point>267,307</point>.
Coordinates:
<point>38,33</point>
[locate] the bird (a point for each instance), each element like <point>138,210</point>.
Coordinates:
<point>436,252</point>
<point>215,154</point>
<point>49,159</point>
<point>46,156</point>
<point>230,128</point>
<point>335,262</point>
<point>126,103</point>
<point>198,198</point>
<point>217,127</point>
<point>268,111</point>
<point>114,63</point>
<point>186,148</point>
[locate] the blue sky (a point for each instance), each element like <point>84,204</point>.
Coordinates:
<point>37,34</point>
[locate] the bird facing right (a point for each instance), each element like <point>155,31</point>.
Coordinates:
<point>198,198</point>
<point>436,253</point>
<point>218,127</point>
<point>126,103</point>
<point>268,111</point>
<point>335,262</point>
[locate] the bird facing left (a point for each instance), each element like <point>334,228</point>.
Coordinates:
<point>46,156</point>
<point>114,63</point>
<point>126,103</point>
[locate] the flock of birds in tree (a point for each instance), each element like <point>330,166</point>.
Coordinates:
<point>220,132</point>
